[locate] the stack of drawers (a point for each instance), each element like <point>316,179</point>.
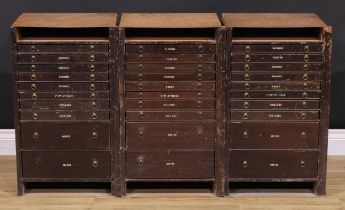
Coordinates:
<point>170,110</point>
<point>64,110</point>
<point>275,92</point>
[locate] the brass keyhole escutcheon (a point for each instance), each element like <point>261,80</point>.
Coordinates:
<point>92,58</point>
<point>35,116</point>
<point>35,135</point>
<point>247,86</point>
<point>92,87</point>
<point>246,105</point>
<point>306,58</point>
<point>33,58</point>
<point>303,135</point>
<point>246,95</point>
<point>245,116</point>
<point>306,48</point>
<point>95,163</point>
<point>244,164</point>
<point>33,77</point>
<point>302,163</point>
<point>33,67</point>
<point>92,77</point>
<point>246,67</point>
<point>33,48</point>
<point>34,96</point>
<point>92,48</point>
<point>92,68</point>
<point>305,95</point>
<point>305,77</point>
<point>247,48</point>
<point>305,104</point>
<point>247,58</point>
<point>303,116</point>
<point>93,96</point>
<point>94,116</point>
<point>245,134</point>
<point>94,135</point>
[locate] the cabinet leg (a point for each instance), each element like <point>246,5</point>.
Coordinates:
<point>120,188</point>
<point>320,188</point>
<point>221,188</point>
<point>21,188</point>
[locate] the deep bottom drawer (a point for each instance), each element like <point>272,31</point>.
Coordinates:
<point>65,164</point>
<point>273,164</point>
<point>170,165</point>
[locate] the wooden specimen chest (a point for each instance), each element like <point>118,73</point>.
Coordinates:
<point>63,70</point>
<point>172,74</point>
<point>278,83</point>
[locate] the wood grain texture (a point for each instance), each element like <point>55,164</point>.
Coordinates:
<point>170,199</point>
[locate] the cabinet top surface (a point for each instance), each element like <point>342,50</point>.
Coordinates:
<point>66,20</point>
<point>170,20</point>
<point>272,20</point>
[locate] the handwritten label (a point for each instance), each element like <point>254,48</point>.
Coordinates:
<point>275,87</point>
<point>277,57</point>
<point>171,59</point>
<point>65,105</point>
<point>65,115</point>
<point>63,96</point>
<point>65,136</point>
<point>170,116</point>
<point>274,136</point>
<point>274,115</point>
<point>169,87</point>
<point>64,58</point>
<point>276,76</point>
<point>169,67</point>
<point>275,105</point>
<point>276,95</point>
<point>277,48</point>
<point>277,67</point>
<point>67,165</point>
<point>63,76</point>
<point>170,49</point>
<point>169,105</point>
<point>63,68</point>
<point>63,86</point>
<point>169,77</point>
<point>169,96</point>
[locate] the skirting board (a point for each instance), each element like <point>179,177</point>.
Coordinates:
<point>336,142</point>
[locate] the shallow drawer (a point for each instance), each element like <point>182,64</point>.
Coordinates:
<point>159,136</point>
<point>62,57</point>
<point>64,104</point>
<point>69,95</point>
<point>276,94</point>
<point>276,58</point>
<point>172,58</point>
<point>170,86</point>
<point>63,77</point>
<point>277,48</point>
<point>64,115</point>
<point>275,104</point>
<point>275,85</point>
<point>273,164</point>
<point>66,164</point>
<point>277,76</point>
<point>169,104</point>
<point>171,77</point>
<point>274,135</point>
<point>170,95</point>
<point>170,48</point>
<point>276,67</point>
<point>275,115</point>
<point>169,115</point>
<point>62,67</point>
<point>62,48</point>
<point>170,165</point>
<point>62,86</point>
<point>64,136</point>
<point>170,68</point>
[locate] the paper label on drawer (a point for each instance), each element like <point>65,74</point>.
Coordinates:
<point>169,67</point>
<point>63,68</point>
<point>64,76</point>
<point>276,94</point>
<point>275,105</point>
<point>276,76</point>
<point>169,105</point>
<point>169,87</point>
<point>63,86</point>
<point>274,136</point>
<point>64,58</point>
<point>67,165</point>
<point>171,59</point>
<point>65,105</point>
<point>170,116</point>
<point>169,77</point>
<point>63,96</point>
<point>274,115</point>
<point>65,116</point>
<point>170,49</point>
<point>65,136</point>
<point>172,135</point>
<point>276,86</point>
<point>277,57</point>
<point>169,96</point>
<point>277,48</point>
<point>277,67</point>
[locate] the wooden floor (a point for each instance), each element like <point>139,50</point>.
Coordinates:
<point>138,200</point>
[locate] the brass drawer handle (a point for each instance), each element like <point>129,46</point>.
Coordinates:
<point>93,96</point>
<point>92,77</point>
<point>140,76</point>
<point>305,77</point>
<point>305,85</point>
<point>246,67</point>
<point>245,116</point>
<point>247,58</point>
<point>33,87</point>
<point>141,134</point>
<point>35,135</point>
<point>140,67</point>
<point>140,162</point>
<point>303,135</point>
<point>140,86</point>
<point>246,95</point>
<point>92,58</point>
<point>199,76</point>
<point>306,58</point>
<point>95,163</point>
<point>244,164</point>
<point>92,87</point>
<point>141,104</point>
<point>33,77</point>
<point>141,115</point>
<point>35,116</point>
<point>306,48</point>
<point>141,57</point>
<point>141,48</point>
<point>34,96</point>
<point>306,67</point>
<point>247,48</point>
<point>246,77</point>
<point>93,104</point>
<point>302,163</point>
<point>33,67</point>
<point>33,48</point>
<point>199,104</point>
<point>92,48</point>
<point>92,68</point>
<point>33,58</point>
<point>245,134</point>
<point>199,68</point>
<point>247,86</point>
<point>199,85</point>
<point>94,135</point>
<point>305,95</point>
<point>303,116</point>
<point>246,105</point>
<point>305,104</point>
<point>94,116</point>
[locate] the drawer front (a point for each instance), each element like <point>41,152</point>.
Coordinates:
<point>64,104</point>
<point>171,48</point>
<point>64,136</point>
<point>64,115</point>
<point>170,165</point>
<point>73,164</point>
<point>36,48</point>
<point>277,76</point>
<point>62,67</point>
<point>69,96</point>
<point>63,58</point>
<point>170,77</point>
<point>170,68</point>
<point>276,67</point>
<point>61,86</point>
<point>170,115</point>
<point>63,77</point>
<point>172,58</point>
<point>268,135</point>
<point>275,115</point>
<point>277,48</point>
<point>273,164</point>
<point>277,58</point>
<point>275,94</point>
<point>170,86</point>
<point>274,104</point>
<point>275,85</point>
<point>165,136</point>
<point>170,95</point>
<point>169,104</point>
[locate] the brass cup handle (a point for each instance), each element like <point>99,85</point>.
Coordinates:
<point>303,135</point>
<point>199,104</point>
<point>33,58</point>
<point>93,96</point>
<point>141,115</point>
<point>141,86</point>
<point>92,77</point>
<point>92,48</point>
<point>93,104</point>
<point>302,164</point>
<point>140,67</point>
<point>95,163</point>
<point>33,87</point>
<point>34,96</point>
<point>141,104</point>
<point>33,77</point>
<point>245,116</point>
<point>246,77</point>
<point>33,67</point>
<point>306,48</point>
<point>94,116</point>
<point>245,134</point>
<point>92,68</point>
<point>247,58</point>
<point>140,162</point>
<point>305,77</point>
<point>305,104</point>
<point>247,48</point>
<point>141,134</point>
<point>141,48</point>
<point>92,58</point>
<point>35,135</point>
<point>92,87</point>
<point>94,135</point>
<point>306,67</point>
<point>247,86</point>
<point>141,57</point>
<point>305,95</point>
<point>305,85</point>
<point>303,116</point>
<point>140,77</point>
<point>199,76</point>
<point>33,48</point>
<point>246,95</point>
<point>244,164</point>
<point>35,116</point>
<point>246,67</point>
<point>246,105</point>
<point>306,58</point>
<point>199,68</point>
